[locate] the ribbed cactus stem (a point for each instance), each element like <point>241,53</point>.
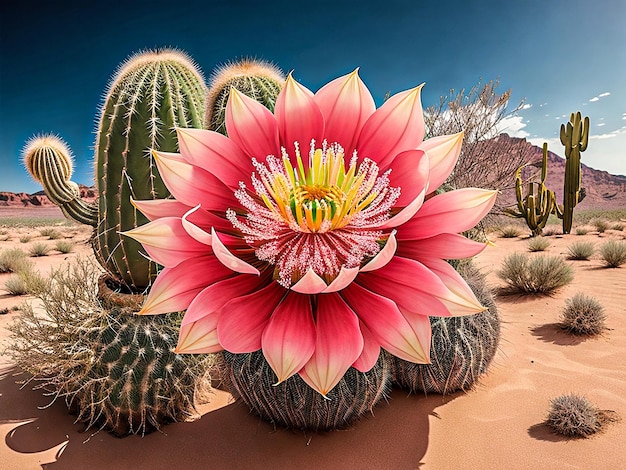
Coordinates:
<point>49,161</point>
<point>256,79</point>
<point>152,93</point>
<point>536,206</point>
<point>575,137</point>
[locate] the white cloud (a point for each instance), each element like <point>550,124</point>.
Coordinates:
<point>527,106</point>
<point>601,124</point>
<point>595,98</point>
<point>513,125</point>
<point>602,95</point>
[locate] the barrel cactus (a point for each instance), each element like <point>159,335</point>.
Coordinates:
<point>462,347</point>
<point>150,95</point>
<point>256,79</point>
<point>115,370</point>
<point>296,405</point>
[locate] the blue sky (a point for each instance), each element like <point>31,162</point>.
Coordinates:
<point>56,58</point>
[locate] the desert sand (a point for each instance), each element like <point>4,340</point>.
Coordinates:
<point>497,425</point>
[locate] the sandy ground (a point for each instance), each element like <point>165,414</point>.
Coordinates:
<point>497,425</point>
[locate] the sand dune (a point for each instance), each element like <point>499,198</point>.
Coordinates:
<point>497,425</point>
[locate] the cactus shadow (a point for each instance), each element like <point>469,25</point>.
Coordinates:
<point>394,435</point>
<point>553,333</point>
<point>542,432</point>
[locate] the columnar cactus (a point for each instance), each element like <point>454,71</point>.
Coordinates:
<point>256,79</point>
<point>575,137</point>
<point>49,160</point>
<point>151,94</point>
<point>536,206</point>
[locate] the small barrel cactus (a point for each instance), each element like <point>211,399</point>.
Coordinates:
<point>116,370</point>
<point>151,94</point>
<point>256,79</point>
<point>462,348</point>
<point>296,405</point>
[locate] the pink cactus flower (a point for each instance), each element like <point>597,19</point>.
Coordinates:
<point>312,233</point>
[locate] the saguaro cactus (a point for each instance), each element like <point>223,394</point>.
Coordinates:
<point>536,206</point>
<point>151,94</point>
<point>575,137</point>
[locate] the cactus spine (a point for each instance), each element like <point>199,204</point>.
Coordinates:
<point>575,137</point>
<point>256,79</point>
<point>151,94</point>
<point>49,160</point>
<point>535,207</point>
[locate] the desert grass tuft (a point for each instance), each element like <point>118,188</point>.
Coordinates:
<point>574,415</point>
<point>580,250</point>
<point>582,230</point>
<point>537,274</point>
<point>583,315</point>
<point>510,231</point>
<point>538,244</point>
<point>39,249</point>
<point>13,260</point>
<point>617,226</point>
<point>550,230</point>
<point>601,225</point>
<point>64,246</point>
<point>25,238</point>
<point>16,285</point>
<point>613,253</point>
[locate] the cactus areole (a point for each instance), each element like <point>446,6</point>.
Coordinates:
<point>151,94</point>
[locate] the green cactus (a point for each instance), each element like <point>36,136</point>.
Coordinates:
<point>256,79</point>
<point>535,207</point>
<point>575,137</point>
<point>462,348</point>
<point>114,369</point>
<point>151,94</point>
<point>49,160</point>
<point>294,404</point>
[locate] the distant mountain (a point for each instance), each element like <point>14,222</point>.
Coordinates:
<point>39,199</point>
<point>604,190</point>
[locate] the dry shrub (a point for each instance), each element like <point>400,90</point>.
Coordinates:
<point>537,274</point>
<point>601,225</point>
<point>13,260</point>
<point>550,230</point>
<point>580,250</point>
<point>583,315</point>
<point>582,230</point>
<point>15,285</point>
<point>575,416</point>
<point>613,253</point>
<point>39,249</point>
<point>64,246</point>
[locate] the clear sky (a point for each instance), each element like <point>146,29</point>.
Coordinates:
<point>56,58</point>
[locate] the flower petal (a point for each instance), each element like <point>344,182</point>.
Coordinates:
<point>192,185</point>
<point>198,332</point>
<point>371,350</point>
<point>346,104</point>
<point>339,343</point>
<point>384,256</point>
<point>410,284</point>
<point>442,246</point>
<point>407,213</point>
<point>299,118</point>
<point>240,327</point>
<point>410,172</point>
<point>175,288</point>
<point>443,153</point>
<point>166,241</point>
<point>228,259</point>
<point>310,283</point>
<point>214,153</point>
<point>288,342</point>
<point>452,212</point>
<point>156,208</point>
<point>344,278</point>
<point>251,126</point>
<point>390,328</point>
<point>396,126</point>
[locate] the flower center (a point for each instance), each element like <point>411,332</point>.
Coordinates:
<point>321,217</point>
